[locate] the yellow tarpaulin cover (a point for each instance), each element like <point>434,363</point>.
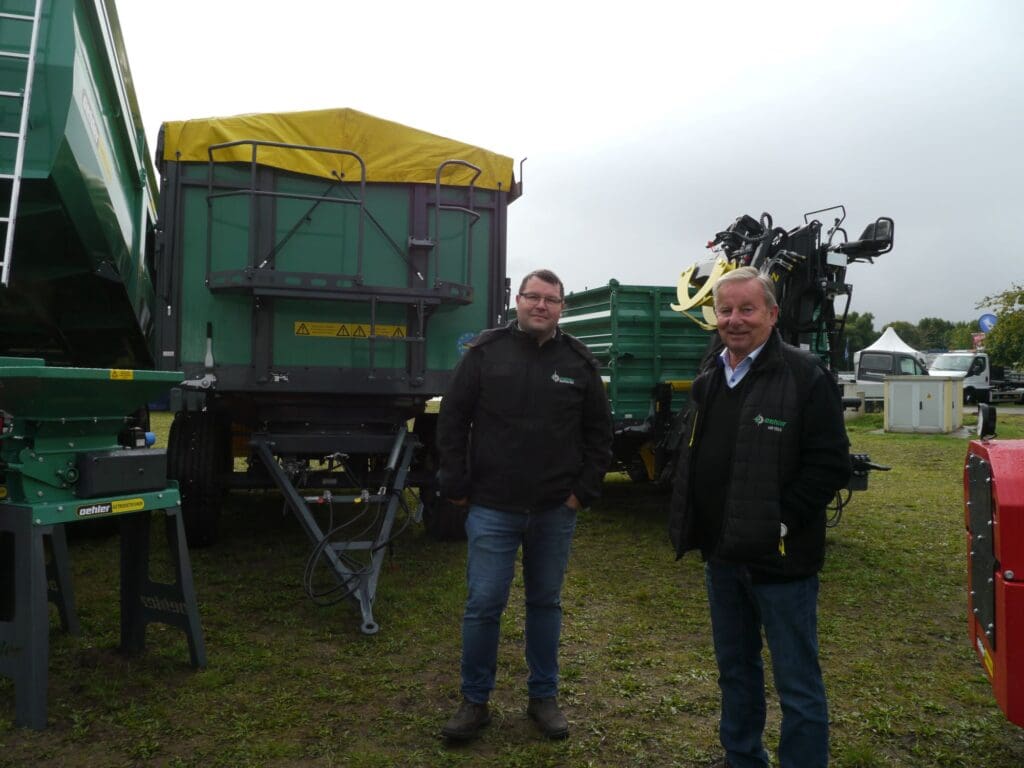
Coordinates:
<point>392,152</point>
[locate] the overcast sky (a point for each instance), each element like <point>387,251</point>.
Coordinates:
<point>648,129</point>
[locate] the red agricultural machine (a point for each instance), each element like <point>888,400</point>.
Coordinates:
<point>994,515</point>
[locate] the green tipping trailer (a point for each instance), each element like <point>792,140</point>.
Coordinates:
<point>77,212</point>
<point>319,273</point>
<point>649,355</point>
<point>78,283</point>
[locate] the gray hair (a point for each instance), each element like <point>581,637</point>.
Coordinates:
<point>743,274</point>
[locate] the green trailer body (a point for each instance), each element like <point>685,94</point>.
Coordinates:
<point>320,273</point>
<point>649,355</point>
<point>280,280</point>
<point>80,290</point>
<point>640,342</point>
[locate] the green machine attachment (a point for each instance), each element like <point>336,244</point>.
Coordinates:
<point>67,455</point>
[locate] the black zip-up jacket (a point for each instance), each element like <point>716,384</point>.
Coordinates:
<point>790,457</point>
<point>523,426</point>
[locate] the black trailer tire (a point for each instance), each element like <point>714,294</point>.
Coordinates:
<point>196,450</point>
<point>442,520</point>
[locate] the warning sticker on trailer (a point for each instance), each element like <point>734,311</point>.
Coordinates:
<point>348,330</point>
<point>120,374</point>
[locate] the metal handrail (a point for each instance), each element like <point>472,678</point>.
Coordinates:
<point>438,207</point>
<point>254,193</point>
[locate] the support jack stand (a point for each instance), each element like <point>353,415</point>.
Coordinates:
<point>357,579</point>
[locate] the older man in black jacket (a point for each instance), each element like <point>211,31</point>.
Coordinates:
<point>524,437</point>
<point>766,451</point>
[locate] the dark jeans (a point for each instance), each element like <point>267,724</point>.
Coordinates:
<point>494,541</point>
<point>788,613</point>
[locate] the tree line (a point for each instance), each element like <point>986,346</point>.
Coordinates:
<point>1004,342</point>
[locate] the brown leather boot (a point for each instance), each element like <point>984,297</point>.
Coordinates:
<point>549,717</point>
<point>467,721</point>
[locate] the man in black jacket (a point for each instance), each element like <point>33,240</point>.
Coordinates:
<point>524,437</point>
<point>766,452</point>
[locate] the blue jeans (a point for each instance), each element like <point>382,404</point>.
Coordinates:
<point>494,540</point>
<point>788,613</point>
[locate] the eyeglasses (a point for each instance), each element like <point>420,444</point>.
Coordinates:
<point>536,298</point>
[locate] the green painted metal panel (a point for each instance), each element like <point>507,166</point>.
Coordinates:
<point>81,292</point>
<point>639,340</point>
<point>74,510</point>
<point>30,390</point>
<point>304,233</point>
<point>451,326</point>
<point>229,314</point>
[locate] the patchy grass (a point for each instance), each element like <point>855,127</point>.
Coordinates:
<point>291,684</point>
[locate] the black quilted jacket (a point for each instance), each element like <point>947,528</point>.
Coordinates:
<point>790,458</point>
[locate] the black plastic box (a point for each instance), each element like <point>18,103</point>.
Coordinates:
<point>111,473</point>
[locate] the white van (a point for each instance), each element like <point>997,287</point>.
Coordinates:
<point>972,367</point>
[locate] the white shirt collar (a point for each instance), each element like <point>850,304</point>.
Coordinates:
<point>734,376</point>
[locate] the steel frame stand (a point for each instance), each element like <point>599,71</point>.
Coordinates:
<point>144,601</point>
<point>25,624</point>
<point>34,582</point>
<point>403,446</point>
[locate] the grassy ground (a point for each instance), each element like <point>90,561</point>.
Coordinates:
<point>291,684</point>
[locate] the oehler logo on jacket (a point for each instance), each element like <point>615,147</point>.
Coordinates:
<point>775,425</point>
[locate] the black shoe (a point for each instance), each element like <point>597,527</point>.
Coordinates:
<point>467,721</point>
<point>549,717</point>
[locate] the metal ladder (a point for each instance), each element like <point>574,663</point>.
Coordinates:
<point>12,180</point>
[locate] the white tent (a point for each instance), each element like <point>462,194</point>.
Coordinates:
<point>890,341</point>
